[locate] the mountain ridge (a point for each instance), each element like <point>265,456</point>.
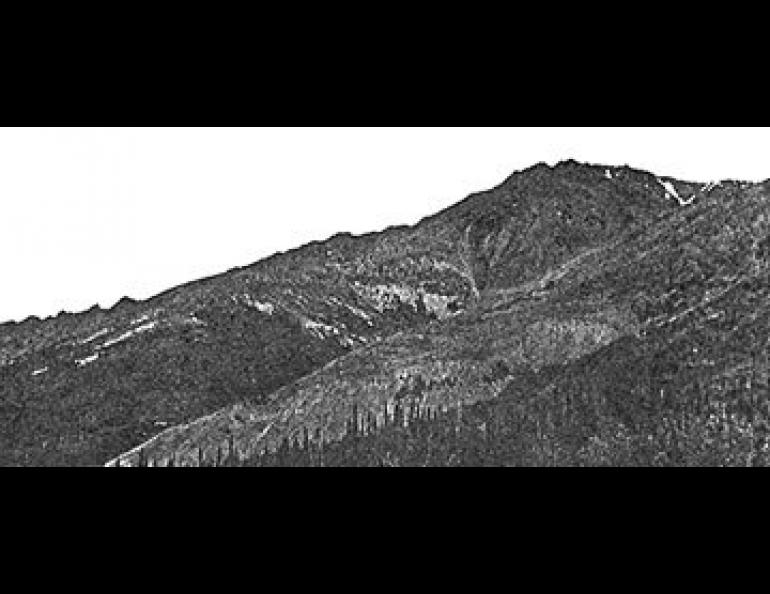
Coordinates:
<point>227,429</point>
<point>218,356</point>
<point>261,435</point>
<point>541,166</point>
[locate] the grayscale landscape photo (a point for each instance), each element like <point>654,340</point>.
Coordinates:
<point>504,297</point>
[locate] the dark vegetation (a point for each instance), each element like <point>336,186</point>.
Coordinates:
<point>606,414</point>
<point>84,416</point>
<point>634,403</point>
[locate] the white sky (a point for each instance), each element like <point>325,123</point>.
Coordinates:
<point>88,215</point>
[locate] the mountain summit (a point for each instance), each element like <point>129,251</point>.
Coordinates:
<point>591,312</point>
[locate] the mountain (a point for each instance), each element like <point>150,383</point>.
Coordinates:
<point>612,300</point>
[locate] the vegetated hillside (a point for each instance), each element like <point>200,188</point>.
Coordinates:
<point>689,387</point>
<point>81,389</point>
<point>566,282</point>
<point>550,268</point>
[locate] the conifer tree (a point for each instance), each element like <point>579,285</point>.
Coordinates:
<point>321,447</point>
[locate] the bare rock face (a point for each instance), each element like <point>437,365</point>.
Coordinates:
<point>557,273</point>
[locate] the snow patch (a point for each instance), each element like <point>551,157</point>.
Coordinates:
<point>147,317</point>
<point>263,307</point>
<point>119,339</point>
<point>322,331</point>
<point>266,308</point>
<point>87,360</point>
<point>195,321</point>
<point>608,174</point>
<point>671,192</point>
<point>670,189</point>
<point>39,371</point>
<point>129,334</point>
<point>145,328</point>
<point>360,313</point>
<point>95,336</point>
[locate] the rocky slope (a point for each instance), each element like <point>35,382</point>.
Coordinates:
<point>553,267</point>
